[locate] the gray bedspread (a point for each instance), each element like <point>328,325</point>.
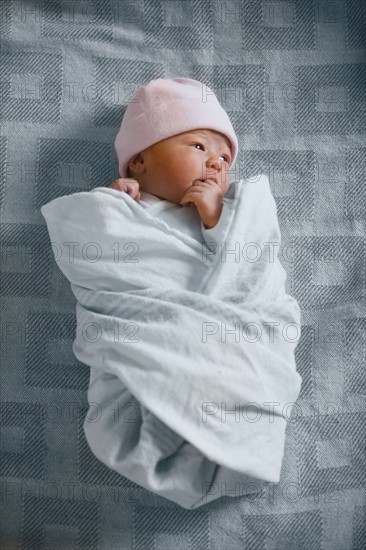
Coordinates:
<point>292,76</point>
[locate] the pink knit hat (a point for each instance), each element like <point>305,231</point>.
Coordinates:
<point>166,107</point>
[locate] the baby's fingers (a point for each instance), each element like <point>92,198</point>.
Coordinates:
<point>128,185</point>
<point>119,185</point>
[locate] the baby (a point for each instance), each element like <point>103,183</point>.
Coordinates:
<point>176,144</point>
<point>183,373</point>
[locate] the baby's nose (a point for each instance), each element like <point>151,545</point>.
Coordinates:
<point>213,165</point>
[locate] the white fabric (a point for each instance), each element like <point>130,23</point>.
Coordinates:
<point>186,219</point>
<point>141,318</point>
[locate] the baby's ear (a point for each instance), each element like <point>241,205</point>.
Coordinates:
<point>136,165</point>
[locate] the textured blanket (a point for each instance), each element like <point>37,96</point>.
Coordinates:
<point>201,337</point>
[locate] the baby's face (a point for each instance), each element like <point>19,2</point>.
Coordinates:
<point>170,167</point>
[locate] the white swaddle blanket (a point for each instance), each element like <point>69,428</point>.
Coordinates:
<point>201,344</point>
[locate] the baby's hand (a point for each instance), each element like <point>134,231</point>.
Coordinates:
<point>128,185</point>
<point>207,196</point>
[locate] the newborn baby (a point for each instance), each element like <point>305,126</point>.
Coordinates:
<point>190,165</point>
<point>189,363</point>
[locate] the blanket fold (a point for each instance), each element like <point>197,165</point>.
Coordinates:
<point>198,341</point>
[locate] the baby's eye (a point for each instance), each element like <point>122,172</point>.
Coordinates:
<point>225,157</point>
